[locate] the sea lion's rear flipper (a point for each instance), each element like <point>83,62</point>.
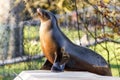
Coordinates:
<point>46,66</point>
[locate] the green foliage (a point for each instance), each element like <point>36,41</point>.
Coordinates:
<point>69,33</point>
<point>31,32</point>
<point>10,71</point>
<point>31,40</point>
<point>69,4</point>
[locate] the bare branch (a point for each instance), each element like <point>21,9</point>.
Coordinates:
<point>99,41</point>
<point>21,59</point>
<point>96,8</point>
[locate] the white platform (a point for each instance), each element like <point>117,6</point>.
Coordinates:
<point>67,75</point>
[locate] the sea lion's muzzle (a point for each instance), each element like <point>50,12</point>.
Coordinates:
<point>39,11</point>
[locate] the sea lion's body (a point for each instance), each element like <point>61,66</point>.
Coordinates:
<point>54,44</point>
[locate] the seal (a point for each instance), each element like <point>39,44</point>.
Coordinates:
<point>62,54</point>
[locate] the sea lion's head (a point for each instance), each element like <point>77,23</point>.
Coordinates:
<point>43,14</point>
<point>46,16</point>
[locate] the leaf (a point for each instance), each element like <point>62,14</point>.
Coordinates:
<point>116,29</point>
<point>106,1</point>
<point>106,35</point>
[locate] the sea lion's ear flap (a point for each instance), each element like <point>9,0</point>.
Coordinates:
<point>62,50</point>
<point>45,13</point>
<point>65,56</point>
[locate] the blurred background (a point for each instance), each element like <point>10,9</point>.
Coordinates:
<point>94,24</point>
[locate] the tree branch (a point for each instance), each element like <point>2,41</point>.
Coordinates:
<point>99,41</point>
<point>96,8</point>
<point>20,59</point>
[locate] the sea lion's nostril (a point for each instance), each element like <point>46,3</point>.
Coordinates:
<point>38,9</point>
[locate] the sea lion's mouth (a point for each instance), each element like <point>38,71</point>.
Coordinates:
<point>39,11</point>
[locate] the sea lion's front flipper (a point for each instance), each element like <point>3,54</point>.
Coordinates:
<point>60,60</point>
<point>57,67</point>
<point>46,66</point>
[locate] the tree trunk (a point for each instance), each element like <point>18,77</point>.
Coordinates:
<point>4,28</point>
<point>15,43</point>
<point>11,32</point>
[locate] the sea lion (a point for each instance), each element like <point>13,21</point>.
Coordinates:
<point>62,54</point>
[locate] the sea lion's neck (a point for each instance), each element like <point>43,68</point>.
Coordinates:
<point>62,39</point>
<point>46,25</point>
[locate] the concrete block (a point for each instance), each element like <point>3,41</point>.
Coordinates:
<point>66,75</point>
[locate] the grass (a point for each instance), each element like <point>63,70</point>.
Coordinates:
<point>72,34</point>
<point>10,71</point>
<point>31,40</point>
<point>32,47</point>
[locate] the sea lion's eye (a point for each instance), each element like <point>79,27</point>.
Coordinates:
<point>45,14</point>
